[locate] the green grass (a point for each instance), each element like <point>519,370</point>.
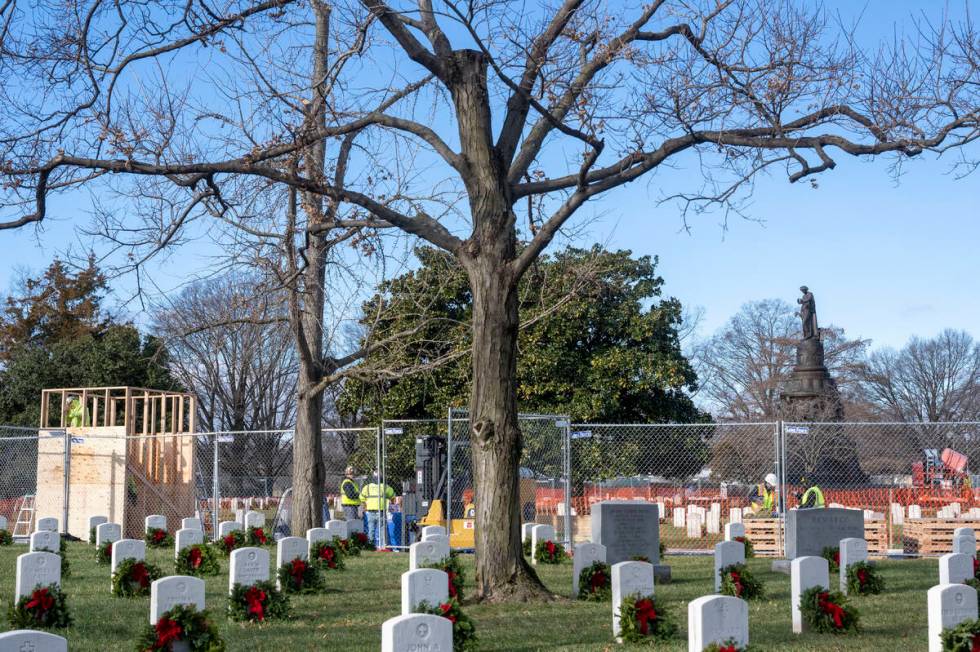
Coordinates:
<point>349,616</point>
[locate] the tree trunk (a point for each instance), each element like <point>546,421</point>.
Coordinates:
<point>501,572</point>
<point>308,471</point>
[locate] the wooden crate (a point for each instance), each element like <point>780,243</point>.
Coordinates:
<point>765,535</point>
<point>932,536</point>
<point>876,534</point>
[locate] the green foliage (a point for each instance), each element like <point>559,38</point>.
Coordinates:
<point>5,538</point>
<point>158,538</point>
<point>199,559</point>
<point>832,555</point>
<point>598,343</point>
<point>133,578</point>
<point>327,556</point>
<point>56,334</point>
<point>298,576</point>
<point>257,603</point>
<point>46,606</point>
<point>549,552</point>
<point>182,623</point>
<point>103,554</point>
<point>749,549</point>
<point>643,619</point>
<point>828,611</point>
<point>730,646</point>
<point>526,546</point>
<point>737,580</point>
<point>453,569</point>
<point>256,536</point>
<point>464,632</point>
<point>864,579</point>
<point>965,637</point>
<point>347,547</point>
<point>230,541</point>
<point>595,582</point>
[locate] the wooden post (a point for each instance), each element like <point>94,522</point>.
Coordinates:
<point>64,399</point>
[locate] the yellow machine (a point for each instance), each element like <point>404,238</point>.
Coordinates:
<point>461,530</point>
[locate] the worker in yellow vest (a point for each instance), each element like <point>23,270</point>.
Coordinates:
<point>376,497</point>
<point>812,498</point>
<point>763,497</point>
<point>350,495</point>
<point>76,413</point>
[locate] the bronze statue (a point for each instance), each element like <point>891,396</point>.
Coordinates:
<point>808,313</point>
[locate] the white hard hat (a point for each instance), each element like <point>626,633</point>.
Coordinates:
<point>771,479</point>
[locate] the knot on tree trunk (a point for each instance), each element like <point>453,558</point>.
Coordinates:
<point>484,432</point>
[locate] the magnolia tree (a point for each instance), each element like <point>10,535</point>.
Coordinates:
<point>481,127</point>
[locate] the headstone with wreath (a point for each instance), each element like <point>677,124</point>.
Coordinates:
<point>424,553</point>
<point>227,527</point>
<point>36,569</point>
<point>191,523</point>
<point>428,585</point>
<point>254,519</point>
<point>541,533</point>
<point>248,566</point>
<point>852,551</point>
<point>168,592</point>
<point>45,540</point>
<point>416,633</point>
<point>107,533</point>
<point>727,553</point>
<point>734,530</point>
<point>584,555</point>
<point>336,529</point>
<point>806,573</point>
<point>185,538</point>
<point>948,606</point>
<point>955,568</point>
<point>629,578</point>
<point>29,640</point>
<point>717,619</point>
<point>50,523</point>
<point>94,522</point>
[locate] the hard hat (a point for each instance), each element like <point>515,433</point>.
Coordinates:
<point>349,471</point>
<point>771,479</point>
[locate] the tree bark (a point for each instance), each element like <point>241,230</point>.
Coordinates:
<point>502,574</point>
<point>308,470</point>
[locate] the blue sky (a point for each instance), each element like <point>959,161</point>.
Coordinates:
<point>885,260</point>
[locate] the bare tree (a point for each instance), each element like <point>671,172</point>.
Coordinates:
<point>742,366</point>
<point>370,114</point>
<point>936,379</point>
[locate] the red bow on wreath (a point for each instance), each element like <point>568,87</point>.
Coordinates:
<point>167,631</point>
<point>828,607</point>
<point>254,598</point>
<point>229,542</point>
<point>452,585</point>
<point>976,566</point>
<point>296,570</point>
<point>40,598</point>
<point>328,554</point>
<point>975,643</point>
<point>728,648</point>
<point>195,558</point>
<point>645,613</point>
<point>597,582</point>
<point>260,535</point>
<point>446,608</point>
<point>737,581</point>
<point>836,557</point>
<point>550,547</point>
<point>862,576</point>
<point>139,575</point>
<point>361,537</point>
<point>158,536</point>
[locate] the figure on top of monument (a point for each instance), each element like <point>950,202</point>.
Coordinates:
<point>808,313</point>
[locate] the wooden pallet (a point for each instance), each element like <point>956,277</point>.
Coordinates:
<point>765,536</point>
<point>931,536</point>
<point>876,534</point>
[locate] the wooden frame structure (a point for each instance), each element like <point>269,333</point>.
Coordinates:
<point>140,411</point>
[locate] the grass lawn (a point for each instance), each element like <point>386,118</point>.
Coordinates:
<point>349,616</point>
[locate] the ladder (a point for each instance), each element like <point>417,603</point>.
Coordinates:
<point>25,516</point>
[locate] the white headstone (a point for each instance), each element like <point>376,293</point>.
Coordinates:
<point>337,529</point>
<point>288,549</point>
<point>191,523</point>
<point>45,540</point>
<point>438,529</point>
<point>168,592</point>
<point>248,566</point>
<point>679,517</point>
<point>96,521</point>
<point>3,522</point>
<point>127,549</point>
<point>915,511</point>
<point>423,553</point>
<point>107,532</point>
<point>315,534</point>
<point>629,578</point>
<point>424,585</point>
<point>540,533</point>
<point>734,529</point>
<point>661,510</point>
<point>735,515</point>
<point>156,521</point>
<point>526,530</point>
<point>36,569</point>
<point>949,605</point>
<point>713,525</point>
<point>852,551</point>
<point>898,514</point>
<point>805,573</point>
<point>438,537</point>
<point>955,568</point>
<point>417,633</point>
<point>186,537</point>
<point>717,619</point>
<point>49,523</point>
<point>694,523</point>
<point>227,527</point>
<point>355,525</point>
<point>585,554</point>
<point>726,554</point>
<point>29,640</point>
<point>240,514</point>
<point>965,541</point>
<point>254,519</point>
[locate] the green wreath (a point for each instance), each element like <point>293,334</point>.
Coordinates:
<point>864,579</point>
<point>526,546</point>
<point>347,547</point>
<point>5,538</point>
<point>256,536</point>
<point>91,536</point>
<point>46,606</point>
<point>133,578</point>
<point>549,552</point>
<point>257,602</point>
<point>729,646</point>
<point>594,582</point>
<point>453,568</point>
<point>103,553</point>
<point>362,541</point>
<point>965,637</point>
<point>464,632</point>
<point>749,550</point>
<point>199,560</point>
<point>663,549</point>
<point>326,556</point>
<point>641,619</point>
<point>63,553</point>
<point>158,538</point>
<point>832,555</point>
<point>828,611</point>
<point>737,580</point>
<point>300,576</point>
<point>184,623</point>
<point>230,542</point>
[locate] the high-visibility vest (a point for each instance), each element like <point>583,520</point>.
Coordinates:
<point>76,414</point>
<point>768,498</point>
<point>815,490</point>
<point>376,496</point>
<point>350,494</point>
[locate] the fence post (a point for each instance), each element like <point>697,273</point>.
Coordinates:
<point>67,488</point>
<point>449,475</point>
<point>215,490</point>
<point>781,462</point>
<point>568,482</point>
